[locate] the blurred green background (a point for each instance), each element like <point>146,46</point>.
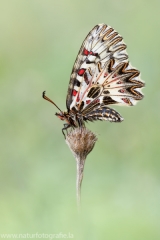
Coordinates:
<point>39,41</point>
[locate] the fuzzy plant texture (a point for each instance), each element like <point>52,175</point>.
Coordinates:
<point>81,142</point>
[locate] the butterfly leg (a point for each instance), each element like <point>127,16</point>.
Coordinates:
<point>66,126</point>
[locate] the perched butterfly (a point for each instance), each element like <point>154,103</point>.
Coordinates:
<point>101,76</point>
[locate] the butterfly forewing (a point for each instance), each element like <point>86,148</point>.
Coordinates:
<point>102,75</point>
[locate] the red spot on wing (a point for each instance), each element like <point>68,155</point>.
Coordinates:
<point>115,75</point>
<point>119,82</point>
<point>81,71</point>
<point>74,92</point>
<point>93,54</point>
<point>126,100</point>
<point>88,101</point>
<point>121,91</point>
<point>86,78</point>
<point>78,98</point>
<point>106,74</point>
<point>96,100</point>
<point>85,52</point>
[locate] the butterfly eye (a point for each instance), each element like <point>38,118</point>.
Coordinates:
<point>60,116</point>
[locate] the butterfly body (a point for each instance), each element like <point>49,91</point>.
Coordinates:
<point>101,76</point>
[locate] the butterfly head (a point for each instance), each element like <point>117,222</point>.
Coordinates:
<point>64,116</point>
<point>60,115</point>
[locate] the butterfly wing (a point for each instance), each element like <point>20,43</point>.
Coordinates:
<point>103,113</point>
<point>102,74</point>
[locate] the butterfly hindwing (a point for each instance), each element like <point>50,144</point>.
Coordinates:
<point>103,113</point>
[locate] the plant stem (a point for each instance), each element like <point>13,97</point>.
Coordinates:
<point>81,142</point>
<point>80,168</point>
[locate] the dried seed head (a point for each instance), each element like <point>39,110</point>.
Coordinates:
<point>81,142</point>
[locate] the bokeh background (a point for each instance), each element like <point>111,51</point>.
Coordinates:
<point>39,41</point>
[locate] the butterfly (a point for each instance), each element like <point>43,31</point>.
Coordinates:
<point>102,75</point>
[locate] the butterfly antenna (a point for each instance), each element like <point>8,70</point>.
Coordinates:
<point>49,100</point>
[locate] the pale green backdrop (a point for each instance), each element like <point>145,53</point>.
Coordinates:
<point>39,41</point>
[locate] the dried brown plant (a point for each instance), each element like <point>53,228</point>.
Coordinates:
<point>81,142</point>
